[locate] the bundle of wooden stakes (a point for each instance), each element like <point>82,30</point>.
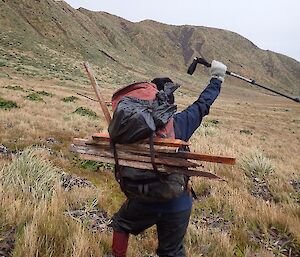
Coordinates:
<point>167,155</point>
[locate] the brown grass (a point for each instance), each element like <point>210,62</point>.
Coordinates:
<point>246,125</point>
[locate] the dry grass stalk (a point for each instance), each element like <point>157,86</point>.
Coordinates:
<point>274,130</point>
<point>30,176</point>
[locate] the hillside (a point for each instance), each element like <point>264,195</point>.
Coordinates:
<point>63,37</point>
<point>53,203</point>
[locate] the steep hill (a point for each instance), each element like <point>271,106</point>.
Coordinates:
<point>54,36</point>
<point>53,203</point>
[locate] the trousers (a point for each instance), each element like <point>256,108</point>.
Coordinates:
<point>171,227</point>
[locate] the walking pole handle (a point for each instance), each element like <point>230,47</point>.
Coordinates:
<point>193,65</point>
<point>202,61</point>
<point>208,65</point>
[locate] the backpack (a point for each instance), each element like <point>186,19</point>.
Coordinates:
<point>141,112</point>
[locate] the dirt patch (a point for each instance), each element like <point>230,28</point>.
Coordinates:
<point>7,242</point>
<point>296,186</point>
<point>212,220</point>
<point>95,218</point>
<point>69,182</point>
<point>7,153</point>
<point>281,243</point>
<point>259,188</point>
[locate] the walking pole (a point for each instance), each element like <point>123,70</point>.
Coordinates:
<point>202,61</point>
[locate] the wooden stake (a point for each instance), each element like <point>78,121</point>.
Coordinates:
<point>163,151</point>
<point>90,150</point>
<point>148,166</point>
<point>134,148</point>
<point>157,141</point>
<point>97,92</point>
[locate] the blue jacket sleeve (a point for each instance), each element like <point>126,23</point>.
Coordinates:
<point>187,121</point>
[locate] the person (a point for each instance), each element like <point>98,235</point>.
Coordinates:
<point>171,217</point>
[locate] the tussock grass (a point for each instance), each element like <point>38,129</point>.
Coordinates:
<point>85,112</point>
<point>30,175</point>
<point>15,87</point>
<point>32,201</point>
<point>7,104</point>
<point>69,99</point>
<point>3,63</point>
<point>44,93</point>
<point>42,227</point>
<point>34,97</point>
<point>257,164</point>
<point>48,232</point>
<point>204,242</point>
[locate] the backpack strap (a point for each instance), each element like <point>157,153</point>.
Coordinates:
<point>152,153</point>
<point>191,189</point>
<point>117,166</point>
<point>194,193</point>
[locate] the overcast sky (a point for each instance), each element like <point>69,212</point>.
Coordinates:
<point>270,24</point>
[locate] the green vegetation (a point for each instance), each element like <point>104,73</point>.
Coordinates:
<point>3,63</point>
<point>44,93</point>
<point>246,132</point>
<point>7,104</point>
<point>70,99</point>
<point>209,128</point>
<point>94,166</point>
<point>256,163</point>
<point>17,88</point>
<point>4,75</point>
<point>211,123</point>
<point>228,220</point>
<point>30,175</point>
<point>85,112</point>
<point>34,97</point>
<point>91,165</point>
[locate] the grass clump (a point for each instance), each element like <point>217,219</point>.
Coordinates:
<point>44,93</point>
<point>4,75</point>
<point>275,237</point>
<point>256,163</point>
<point>69,99</point>
<point>17,88</point>
<point>92,165</point>
<point>34,97</point>
<point>211,123</point>
<point>30,175</point>
<point>246,132</point>
<point>86,112</point>
<point>209,128</point>
<point>207,131</point>
<point>3,63</point>
<point>7,104</point>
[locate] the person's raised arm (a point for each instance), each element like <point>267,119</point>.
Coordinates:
<point>187,121</point>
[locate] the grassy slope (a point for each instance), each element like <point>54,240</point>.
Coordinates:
<point>126,51</point>
<point>242,123</point>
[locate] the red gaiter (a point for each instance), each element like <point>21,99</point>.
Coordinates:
<point>120,244</point>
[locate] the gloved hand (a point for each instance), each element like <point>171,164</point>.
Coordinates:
<point>218,70</point>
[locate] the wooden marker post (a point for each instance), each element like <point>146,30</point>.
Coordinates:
<point>98,93</point>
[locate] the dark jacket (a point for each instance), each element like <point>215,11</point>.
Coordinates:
<point>185,124</point>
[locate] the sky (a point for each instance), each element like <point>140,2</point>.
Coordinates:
<point>270,24</point>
